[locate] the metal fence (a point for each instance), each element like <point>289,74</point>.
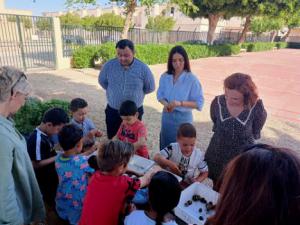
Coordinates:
<point>75,36</point>
<point>26,41</point>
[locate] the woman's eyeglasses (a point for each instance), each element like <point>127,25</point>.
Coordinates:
<point>14,85</point>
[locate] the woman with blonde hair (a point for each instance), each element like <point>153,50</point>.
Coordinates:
<point>21,200</point>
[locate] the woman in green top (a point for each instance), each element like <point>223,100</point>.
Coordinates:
<point>20,198</point>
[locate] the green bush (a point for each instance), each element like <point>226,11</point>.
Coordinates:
<point>260,46</point>
<point>245,45</point>
<point>30,115</point>
<point>281,44</point>
<point>153,53</point>
<point>149,53</point>
<point>105,52</point>
<point>225,50</point>
<point>83,57</point>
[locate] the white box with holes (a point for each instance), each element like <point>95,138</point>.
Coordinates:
<point>196,212</point>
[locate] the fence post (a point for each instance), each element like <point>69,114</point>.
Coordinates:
<point>21,42</point>
<point>177,34</point>
<point>61,61</point>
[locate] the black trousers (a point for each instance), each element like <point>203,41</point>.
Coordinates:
<point>113,120</point>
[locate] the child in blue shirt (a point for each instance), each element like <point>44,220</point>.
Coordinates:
<point>79,110</point>
<point>73,171</point>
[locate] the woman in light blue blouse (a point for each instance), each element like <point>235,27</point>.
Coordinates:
<point>179,92</point>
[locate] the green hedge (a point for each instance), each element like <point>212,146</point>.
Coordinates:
<point>262,46</point>
<point>83,57</point>
<point>281,45</point>
<point>149,53</point>
<point>30,115</point>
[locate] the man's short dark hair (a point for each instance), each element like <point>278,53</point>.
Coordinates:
<point>128,108</point>
<point>56,116</point>
<point>186,130</point>
<point>122,44</point>
<point>78,103</point>
<point>69,136</point>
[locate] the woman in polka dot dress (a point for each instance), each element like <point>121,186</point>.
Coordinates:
<point>238,117</point>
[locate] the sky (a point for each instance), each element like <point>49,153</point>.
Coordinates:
<point>39,6</point>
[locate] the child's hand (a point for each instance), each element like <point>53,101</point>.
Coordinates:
<point>153,170</point>
<point>174,169</point>
<point>98,133</point>
<point>166,109</point>
<point>90,134</point>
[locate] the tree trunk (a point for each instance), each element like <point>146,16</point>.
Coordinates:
<point>274,34</point>
<point>130,8</point>
<point>285,36</point>
<point>212,25</point>
<point>245,30</point>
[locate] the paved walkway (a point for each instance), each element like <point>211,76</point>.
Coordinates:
<point>276,74</point>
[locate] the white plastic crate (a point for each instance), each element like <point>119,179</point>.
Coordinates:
<point>139,165</point>
<point>190,214</point>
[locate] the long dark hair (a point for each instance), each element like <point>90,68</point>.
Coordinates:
<point>164,194</point>
<point>180,50</point>
<point>261,186</point>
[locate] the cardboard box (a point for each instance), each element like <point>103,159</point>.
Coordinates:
<point>190,214</point>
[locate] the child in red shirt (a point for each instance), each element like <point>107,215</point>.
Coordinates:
<point>132,130</point>
<point>109,189</point>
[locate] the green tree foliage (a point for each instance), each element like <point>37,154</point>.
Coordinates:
<point>211,9</point>
<point>44,24</point>
<point>252,8</point>
<point>26,21</point>
<point>292,20</point>
<point>70,19</point>
<point>129,6</point>
<point>79,4</point>
<point>160,23</point>
<point>109,19</point>
<point>88,21</point>
<point>260,25</point>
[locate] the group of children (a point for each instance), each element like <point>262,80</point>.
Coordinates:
<point>85,194</point>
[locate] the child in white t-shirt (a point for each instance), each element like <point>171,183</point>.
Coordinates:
<point>182,157</point>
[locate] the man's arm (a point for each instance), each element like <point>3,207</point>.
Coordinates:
<point>103,77</point>
<point>149,83</point>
